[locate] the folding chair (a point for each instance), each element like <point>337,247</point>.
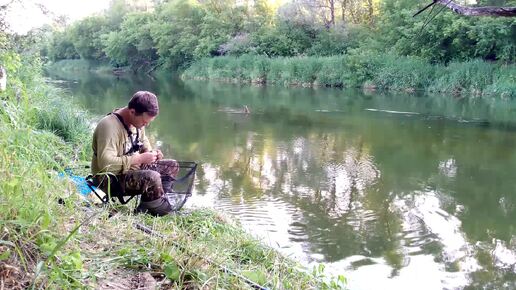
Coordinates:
<point>181,188</point>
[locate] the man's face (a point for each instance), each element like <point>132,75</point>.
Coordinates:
<point>140,121</point>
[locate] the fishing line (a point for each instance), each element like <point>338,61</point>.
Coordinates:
<point>426,20</point>
<point>432,18</point>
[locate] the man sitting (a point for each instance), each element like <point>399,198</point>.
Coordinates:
<point>123,161</point>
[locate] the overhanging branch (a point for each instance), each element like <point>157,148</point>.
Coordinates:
<point>474,11</point>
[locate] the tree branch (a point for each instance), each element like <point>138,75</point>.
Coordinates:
<point>478,11</point>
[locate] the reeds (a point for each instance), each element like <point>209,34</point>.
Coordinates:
<point>363,68</point>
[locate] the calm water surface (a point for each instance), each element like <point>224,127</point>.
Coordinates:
<point>393,191</point>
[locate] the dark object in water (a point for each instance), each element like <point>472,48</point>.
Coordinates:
<point>118,71</point>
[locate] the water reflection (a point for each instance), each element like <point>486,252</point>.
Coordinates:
<point>395,192</point>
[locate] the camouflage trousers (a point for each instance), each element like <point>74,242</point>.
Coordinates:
<point>151,180</point>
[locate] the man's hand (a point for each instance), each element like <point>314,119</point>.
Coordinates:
<point>146,158</point>
<point>159,155</point>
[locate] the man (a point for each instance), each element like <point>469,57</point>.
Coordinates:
<point>123,161</point>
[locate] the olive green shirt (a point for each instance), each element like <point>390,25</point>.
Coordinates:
<point>110,142</point>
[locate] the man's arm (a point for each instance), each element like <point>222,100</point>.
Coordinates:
<point>107,150</point>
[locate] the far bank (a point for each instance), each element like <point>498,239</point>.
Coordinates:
<point>364,70</point>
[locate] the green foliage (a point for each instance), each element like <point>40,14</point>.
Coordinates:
<point>210,243</point>
<point>180,32</point>
<point>446,37</point>
<point>86,35</point>
<point>30,216</point>
<point>176,32</point>
<point>255,276</point>
<point>361,66</point>
<point>286,38</point>
<point>301,71</point>
<point>116,12</point>
<point>337,40</point>
<point>61,47</point>
<point>133,44</point>
<point>172,271</point>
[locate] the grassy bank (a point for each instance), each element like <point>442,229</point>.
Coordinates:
<point>46,244</point>
<point>362,69</point>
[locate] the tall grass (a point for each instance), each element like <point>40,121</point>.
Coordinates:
<point>31,221</point>
<point>471,77</point>
<point>407,74</point>
<point>363,68</point>
<point>62,117</point>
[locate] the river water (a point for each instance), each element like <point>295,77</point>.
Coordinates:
<point>393,191</point>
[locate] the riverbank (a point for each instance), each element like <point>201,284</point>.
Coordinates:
<point>79,65</point>
<point>362,69</point>
<point>57,245</point>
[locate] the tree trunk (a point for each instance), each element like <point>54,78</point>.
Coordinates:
<point>370,11</point>
<point>332,12</point>
<point>343,7</point>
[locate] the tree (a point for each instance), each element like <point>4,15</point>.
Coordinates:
<point>61,47</point>
<point>85,36</point>
<point>446,37</point>
<point>132,44</point>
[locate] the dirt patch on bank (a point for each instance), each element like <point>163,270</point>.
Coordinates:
<point>121,279</point>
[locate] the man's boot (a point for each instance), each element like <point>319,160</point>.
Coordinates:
<point>157,207</point>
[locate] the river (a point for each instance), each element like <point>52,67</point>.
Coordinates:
<point>393,191</point>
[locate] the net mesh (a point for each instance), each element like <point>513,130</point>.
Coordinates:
<point>182,185</point>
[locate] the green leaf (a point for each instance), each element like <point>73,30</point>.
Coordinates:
<point>166,257</point>
<point>256,276</point>
<point>172,271</point>
<point>13,183</point>
<point>48,247</point>
<point>5,255</point>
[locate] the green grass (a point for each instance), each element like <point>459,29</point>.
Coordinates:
<point>46,244</point>
<point>363,68</point>
<point>62,117</point>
